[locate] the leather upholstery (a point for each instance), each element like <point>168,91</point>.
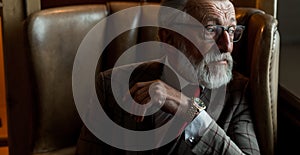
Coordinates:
<point>126,39</point>
<point>55,34</point>
<point>259,50</point>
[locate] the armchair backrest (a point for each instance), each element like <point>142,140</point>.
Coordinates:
<point>257,57</point>
<point>55,34</point>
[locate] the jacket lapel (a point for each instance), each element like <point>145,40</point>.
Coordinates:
<point>214,101</point>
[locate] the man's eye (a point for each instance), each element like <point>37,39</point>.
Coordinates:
<point>210,29</point>
<point>231,30</point>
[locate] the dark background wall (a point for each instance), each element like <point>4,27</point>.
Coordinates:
<point>289,27</point>
<point>289,77</point>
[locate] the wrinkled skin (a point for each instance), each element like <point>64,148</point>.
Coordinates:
<point>211,13</point>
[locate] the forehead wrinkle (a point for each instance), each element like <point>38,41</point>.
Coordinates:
<point>206,11</point>
<point>211,16</point>
<point>229,13</point>
<point>198,9</point>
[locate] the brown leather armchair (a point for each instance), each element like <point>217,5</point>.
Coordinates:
<point>55,34</point>
<point>257,57</point>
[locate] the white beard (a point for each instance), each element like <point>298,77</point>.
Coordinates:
<point>213,75</point>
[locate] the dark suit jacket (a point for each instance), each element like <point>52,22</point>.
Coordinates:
<point>231,131</point>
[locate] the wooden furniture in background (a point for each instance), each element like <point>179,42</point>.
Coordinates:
<point>3,116</point>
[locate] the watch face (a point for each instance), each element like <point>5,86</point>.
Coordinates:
<point>199,102</point>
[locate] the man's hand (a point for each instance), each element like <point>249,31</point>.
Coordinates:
<point>159,94</point>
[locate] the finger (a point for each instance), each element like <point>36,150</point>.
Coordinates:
<point>146,100</point>
<point>158,95</point>
<point>141,95</point>
<point>142,90</point>
<point>135,88</point>
<point>139,85</point>
<point>157,88</point>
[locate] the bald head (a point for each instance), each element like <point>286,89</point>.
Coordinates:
<point>220,11</point>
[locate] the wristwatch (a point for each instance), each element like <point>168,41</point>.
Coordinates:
<point>196,106</point>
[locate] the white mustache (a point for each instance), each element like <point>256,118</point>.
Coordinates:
<point>215,57</point>
<point>212,75</point>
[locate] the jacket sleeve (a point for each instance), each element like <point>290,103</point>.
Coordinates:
<point>234,133</point>
<point>240,139</point>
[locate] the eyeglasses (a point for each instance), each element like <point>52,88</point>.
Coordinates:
<point>215,31</point>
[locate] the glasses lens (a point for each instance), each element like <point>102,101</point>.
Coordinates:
<point>238,33</point>
<point>213,32</point>
<point>210,32</point>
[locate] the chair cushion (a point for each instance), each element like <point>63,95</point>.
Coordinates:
<point>54,36</point>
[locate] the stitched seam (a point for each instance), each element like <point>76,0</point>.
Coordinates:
<point>272,102</point>
<point>270,81</point>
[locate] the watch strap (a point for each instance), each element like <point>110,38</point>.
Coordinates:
<point>195,107</point>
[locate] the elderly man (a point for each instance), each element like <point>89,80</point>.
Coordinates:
<point>204,127</point>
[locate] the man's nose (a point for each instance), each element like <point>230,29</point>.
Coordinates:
<point>224,42</point>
